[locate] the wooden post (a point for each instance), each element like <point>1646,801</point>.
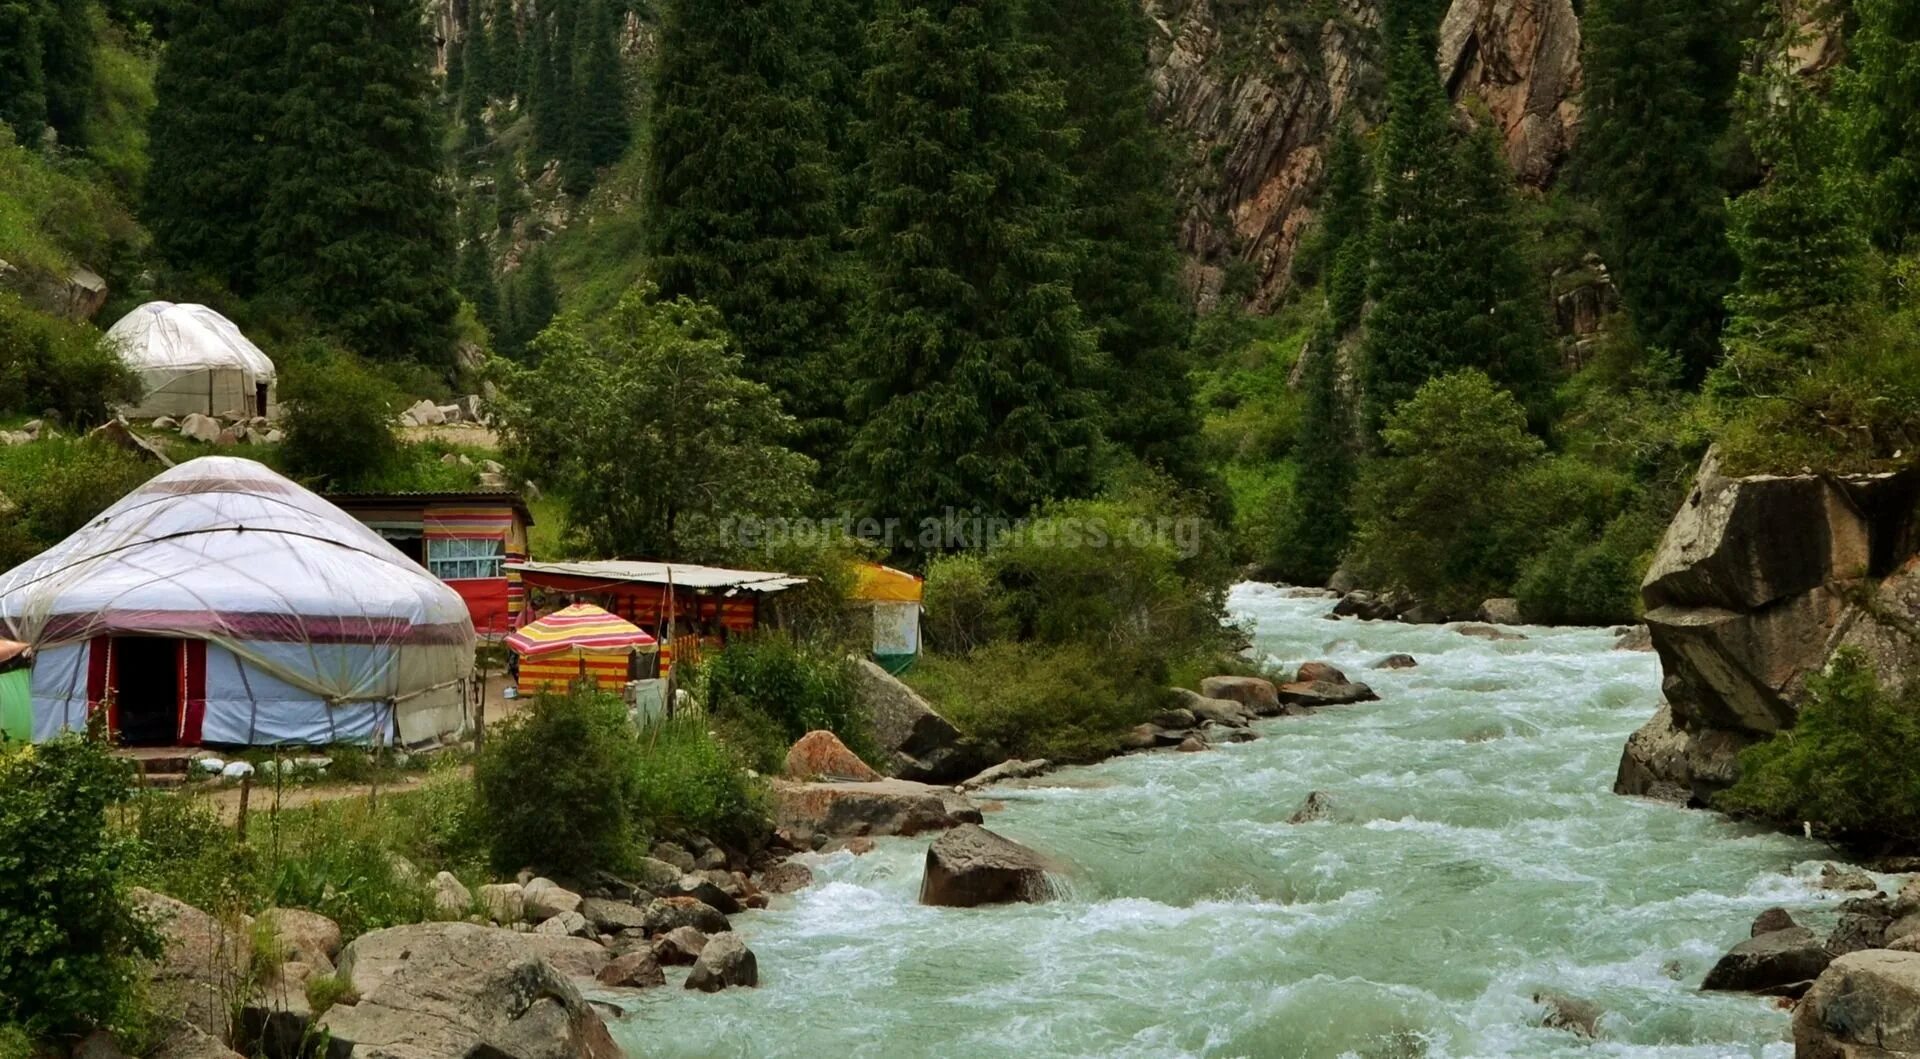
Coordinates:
<point>240,818</point>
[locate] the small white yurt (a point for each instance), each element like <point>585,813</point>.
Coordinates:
<point>192,359</point>
<point>222,604</point>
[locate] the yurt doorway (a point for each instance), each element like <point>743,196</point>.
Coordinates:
<point>146,686</point>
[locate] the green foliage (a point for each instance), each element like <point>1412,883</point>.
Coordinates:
<point>69,933</point>
<point>57,486</point>
<point>1578,580</point>
<point>46,68</point>
<point>972,352</point>
<point>1879,93</point>
<point>338,419</point>
<point>1451,287</point>
<point>326,990</point>
<point>1850,765</point>
<point>1429,510</point>
<point>1318,521</point>
<point>601,117</point>
<point>533,299</point>
<point>1346,226</point>
<point>960,604</point>
<point>553,784</point>
<point>338,859</point>
<point>799,687</point>
<point>747,220</point>
<point>54,218</point>
<point>1659,77</point>
<point>356,226</point>
<point>49,364</point>
<point>660,385</point>
<point>503,44</point>
<point>188,852</point>
<point>1067,702</point>
<point>688,782</point>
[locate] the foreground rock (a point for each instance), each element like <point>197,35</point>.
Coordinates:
<point>883,807</point>
<point>203,965</point>
<point>1217,711</point>
<point>971,866</point>
<point>434,990</point>
<point>1778,963</point>
<point>1315,693</point>
<point>1866,1005</point>
<point>920,743</point>
<point>679,946</point>
<point>1010,769</point>
<point>1254,693</point>
<point>635,970</point>
<point>724,961</point>
<point>820,755</point>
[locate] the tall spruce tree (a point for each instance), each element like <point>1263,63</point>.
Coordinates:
<point>600,91</point>
<point>476,75</point>
<point>1879,93</point>
<point>1128,278</point>
<point>1659,76</point>
<point>66,61</point>
<point>220,79</point>
<point>356,227</point>
<point>503,51</point>
<point>1319,519</point>
<point>456,58</point>
<point>475,281</point>
<point>23,76</point>
<point>1346,226</point>
<point>973,361</point>
<point>545,98</point>
<point>741,196</point>
<point>572,28</point>
<point>536,301</point>
<point>1450,287</point>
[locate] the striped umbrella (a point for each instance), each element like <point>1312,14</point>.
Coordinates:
<point>581,627</point>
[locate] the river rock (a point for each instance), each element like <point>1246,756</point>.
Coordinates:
<point>1193,744</point>
<point>1865,1005</point>
<point>665,914</point>
<point>571,955</point>
<point>1318,806</point>
<point>820,755</point>
<point>505,902</point>
<point>885,807</point>
<point>308,937</point>
<point>1254,693</point>
<point>635,970</point>
<point>1569,1013</point>
<point>1317,693</point>
<point>1319,673</point>
<point>202,428</point>
<point>1219,711</point>
<point>451,898</point>
<point>1483,631</point>
<point>1863,924</point>
<point>786,877</point>
<point>1365,605</point>
<point>971,866</point>
<point>1176,718</point>
<point>456,989</point>
<point>1010,769</point>
<point>701,887</point>
<point>1780,963</point>
<point>1834,877</point>
<point>611,917</point>
<point>1502,611</point>
<point>1633,638</point>
<point>1654,763</point>
<point>1141,737</point>
<point>566,924</point>
<point>920,743</point>
<point>676,855</point>
<point>1771,920</point>
<point>202,963</point>
<point>1396,661</point>
<point>543,899</point>
<point>725,961</point>
<point>680,946</point>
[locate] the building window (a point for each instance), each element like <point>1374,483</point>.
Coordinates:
<point>459,559</point>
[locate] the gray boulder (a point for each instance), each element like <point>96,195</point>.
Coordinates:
<point>203,967</point>
<point>201,428</point>
<point>725,961</point>
<point>433,990</point>
<point>611,917</point>
<point>1502,611</point>
<point>1218,711</point>
<point>505,903</point>
<point>1483,631</point>
<point>1315,693</point>
<point>1254,693</point>
<point>1318,806</point>
<point>786,877</point>
<point>1396,661</point>
<point>188,1041</point>
<point>971,866</point>
<point>543,899</point>
<point>919,742</point>
<point>666,914</point>
<point>566,925</point>
<point>451,898</point>
<point>1654,762</point>
<point>1569,1013</point>
<point>1779,963</point>
<point>1865,1005</point>
<point>885,807</point>
<point>1365,605</point>
<point>575,957</point>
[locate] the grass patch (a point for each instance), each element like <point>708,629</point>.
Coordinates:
<point>1064,703</point>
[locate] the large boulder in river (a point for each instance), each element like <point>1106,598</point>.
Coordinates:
<point>1778,963</point>
<point>1865,1005</point>
<point>432,990</point>
<point>1312,693</point>
<point>884,807</point>
<point>971,865</point>
<point>820,755</point>
<point>1226,712</point>
<point>724,961</point>
<point>920,744</point>
<point>1254,693</point>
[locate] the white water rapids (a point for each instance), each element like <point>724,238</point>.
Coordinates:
<point>1475,856</point>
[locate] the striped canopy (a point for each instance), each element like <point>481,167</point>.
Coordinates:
<point>582,626</point>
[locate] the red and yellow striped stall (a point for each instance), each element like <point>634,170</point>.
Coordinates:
<point>574,643</point>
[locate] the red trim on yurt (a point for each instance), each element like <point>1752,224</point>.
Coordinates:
<point>193,690</point>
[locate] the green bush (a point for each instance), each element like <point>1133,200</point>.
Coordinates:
<point>554,783</point>
<point>57,486</point>
<point>1068,702</point>
<point>961,604</point>
<point>49,364</point>
<point>1578,580</point>
<point>1850,765</point>
<point>15,1044</point>
<point>688,782</point>
<point>186,851</point>
<point>336,858</point>
<point>338,419</point>
<point>70,937</point>
<point>800,687</point>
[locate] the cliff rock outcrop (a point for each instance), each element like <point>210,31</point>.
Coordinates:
<point>1758,581</point>
<point>1522,59</point>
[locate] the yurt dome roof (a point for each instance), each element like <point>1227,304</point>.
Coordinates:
<point>161,336</point>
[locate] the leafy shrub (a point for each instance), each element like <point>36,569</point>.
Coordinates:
<point>70,936</point>
<point>960,602</point>
<point>553,785</point>
<point>336,858</point>
<point>186,851</point>
<point>57,486</point>
<point>441,823</point>
<point>49,364</point>
<point>800,687</point>
<point>1068,702</point>
<point>1578,580</point>
<point>15,1044</point>
<point>1850,764</point>
<point>687,781</point>
<point>338,419</point>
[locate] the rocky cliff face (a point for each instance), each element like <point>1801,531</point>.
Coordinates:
<point>1757,583</point>
<point>1521,59</point>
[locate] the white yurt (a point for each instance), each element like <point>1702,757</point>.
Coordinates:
<point>192,359</point>
<point>223,604</point>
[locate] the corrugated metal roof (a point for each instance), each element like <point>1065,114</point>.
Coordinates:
<point>680,575</point>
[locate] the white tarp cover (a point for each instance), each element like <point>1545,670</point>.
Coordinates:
<point>317,628</point>
<point>190,358</point>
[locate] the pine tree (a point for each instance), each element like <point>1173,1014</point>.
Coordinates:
<point>973,361</point>
<point>571,31</point>
<point>746,221</point>
<point>1346,225</point>
<point>476,77</point>
<point>1128,279</point>
<point>66,60</point>
<point>544,98</point>
<point>23,78</point>
<point>600,90</point>
<point>1880,95</point>
<point>1659,74</point>
<point>455,81</point>
<point>475,281</point>
<point>356,226</point>
<point>1319,517</point>
<point>536,300</point>
<point>1451,290</point>
<point>220,77</point>
<point>503,51</point>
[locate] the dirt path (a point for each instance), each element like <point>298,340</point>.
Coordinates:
<point>224,799</point>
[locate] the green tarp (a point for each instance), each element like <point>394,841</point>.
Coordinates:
<point>16,704</point>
